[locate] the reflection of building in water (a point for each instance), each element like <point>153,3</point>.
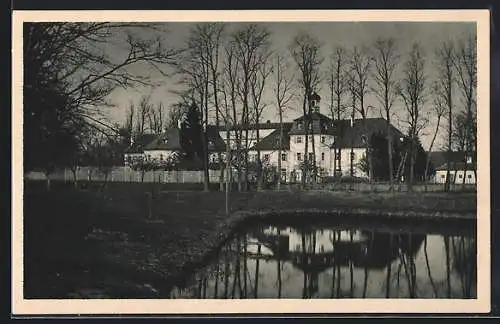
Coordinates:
<point>323,238</point>
<point>371,265</point>
<point>323,248</point>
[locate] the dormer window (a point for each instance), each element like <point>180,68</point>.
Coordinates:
<point>165,140</point>
<point>300,125</point>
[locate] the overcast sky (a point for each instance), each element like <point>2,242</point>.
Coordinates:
<point>346,34</point>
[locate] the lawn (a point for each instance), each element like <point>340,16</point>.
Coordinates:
<point>101,242</point>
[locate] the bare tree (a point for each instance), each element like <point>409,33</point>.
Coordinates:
<point>129,122</point>
<point>305,50</point>
<point>156,118</point>
<point>466,68</point>
<point>338,87</point>
<point>360,73</point>
<point>283,85</point>
<point>174,114</point>
<point>352,92</point>
<point>251,45</point>
<point>230,89</point>
<point>210,38</point>
<point>385,61</point>
<point>66,61</point>
<point>257,86</point>
<point>444,94</point>
<point>439,110</point>
<point>412,92</point>
<point>194,66</point>
<point>143,111</point>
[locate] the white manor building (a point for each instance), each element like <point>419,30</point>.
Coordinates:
<point>344,137</point>
<point>335,142</point>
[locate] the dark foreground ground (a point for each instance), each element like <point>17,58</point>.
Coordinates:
<point>117,242</point>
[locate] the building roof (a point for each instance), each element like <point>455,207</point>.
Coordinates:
<point>456,166</point>
<point>321,124</point>
<point>251,126</point>
<point>170,140</point>
<point>439,158</point>
<point>140,142</point>
<point>352,136</point>
<point>271,141</point>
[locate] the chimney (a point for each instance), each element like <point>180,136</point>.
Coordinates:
<point>179,123</point>
<point>352,122</point>
<point>131,139</point>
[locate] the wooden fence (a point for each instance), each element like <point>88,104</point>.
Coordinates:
<point>125,174</point>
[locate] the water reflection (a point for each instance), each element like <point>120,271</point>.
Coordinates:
<point>328,262</point>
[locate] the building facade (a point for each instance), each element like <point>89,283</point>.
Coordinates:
<point>337,147</point>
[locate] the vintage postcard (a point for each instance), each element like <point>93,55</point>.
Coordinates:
<point>201,162</point>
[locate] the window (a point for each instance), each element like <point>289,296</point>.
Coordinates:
<point>310,126</point>
<point>322,249</point>
<point>283,174</point>
<point>161,157</point>
<point>310,138</point>
<point>266,156</point>
<point>297,247</point>
<point>322,156</point>
<point>299,156</point>
<point>322,139</point>
<point>469,176</point>
<point>298,139</point>
<point>443,176</point>
<point>460,176</point>
<point>283,156</point>
<point>310,156</point>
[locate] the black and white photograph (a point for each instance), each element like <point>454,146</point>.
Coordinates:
<point>236,158</point>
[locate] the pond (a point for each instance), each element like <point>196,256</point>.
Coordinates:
<point>338,261</point>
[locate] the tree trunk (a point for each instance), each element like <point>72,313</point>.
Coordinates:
<point>389,268</point>
<point>389,152</point>
<point>259,160</point>
<point>75,179</point>
<point>256,287</point>
<point>279,148</point>
<point>47,177</point>
<point>429,269</point>
<point>448,280</point>
<point>314,166</point>
<point>427,163</point>
<point>448,160</point>
<point>279,266</point>
<point>306,128</point>
<point>246,185</point>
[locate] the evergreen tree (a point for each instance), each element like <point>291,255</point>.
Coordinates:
<point>191,132</point>
<point>378,144</point>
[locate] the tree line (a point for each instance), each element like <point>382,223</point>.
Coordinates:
<point>231,76</point>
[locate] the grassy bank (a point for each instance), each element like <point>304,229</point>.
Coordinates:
<point>126,253</point>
